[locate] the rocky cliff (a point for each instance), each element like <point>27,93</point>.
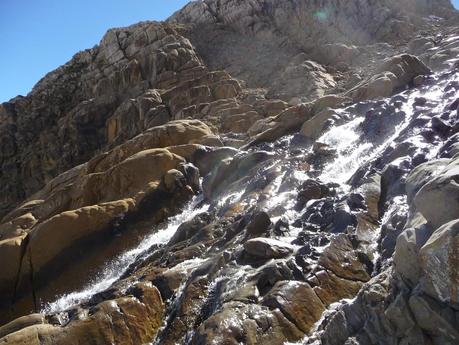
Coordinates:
<point>262,171</point>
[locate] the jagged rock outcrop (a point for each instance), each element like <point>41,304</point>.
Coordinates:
<point>268,38</point>
<point>138,77</point>
<point>43,238</point>
<point>414,299</point>
<point>262,171</point>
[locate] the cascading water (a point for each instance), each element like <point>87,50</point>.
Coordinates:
<point>115,269</point>
<point>284,173</point>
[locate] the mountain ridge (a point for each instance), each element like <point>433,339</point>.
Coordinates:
<point>234,165</point>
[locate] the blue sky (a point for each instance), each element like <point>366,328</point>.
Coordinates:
<point>37,36</point>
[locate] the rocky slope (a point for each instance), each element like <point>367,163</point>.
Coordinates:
<point>246,172</point>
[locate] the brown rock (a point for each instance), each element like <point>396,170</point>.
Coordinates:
<point>340,258</point>
<point>172,134</point>
<point>259,224</point>
<point>126,320</point>
<point>394,74</point>
<point>330,288</point>
<point>22,322</point>
<point>250,324</point>
<point>265,248</point>
<point>297,301</point>
<point>66,229</point>
<point>11,252</point>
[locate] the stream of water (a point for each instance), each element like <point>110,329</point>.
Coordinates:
<point>351,153</point>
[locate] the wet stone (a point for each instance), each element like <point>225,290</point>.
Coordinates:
<point>356,201</point>
<point>419,101</point>
<point>379,123</point>
<point>297,301</point>
<point>259,224</point>
<point>440,126</point>
<point>310,190</point>
<point>265,248</point>
<point>281,227</point>
<point>330,216</point>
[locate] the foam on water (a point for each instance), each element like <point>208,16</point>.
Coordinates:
<point>115,269</point>
<point>351,155</point>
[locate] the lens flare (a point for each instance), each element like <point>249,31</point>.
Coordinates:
<point>321,15</point>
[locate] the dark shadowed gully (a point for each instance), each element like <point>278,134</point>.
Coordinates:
<point>247,172</point>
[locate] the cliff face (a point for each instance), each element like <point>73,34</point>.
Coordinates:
<point>100,98</point>
<point>256,40</point>
<point>77,109</point>
<point>248,172</point>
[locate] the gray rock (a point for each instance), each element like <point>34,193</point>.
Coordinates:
<point>431,318</point>
<point>394,74</point>
<point>266,248</point>
<point>400,317</point>
<point>437,199</point>
<point>422,174</point>
<point>406,255</point>
<point>439,259</point>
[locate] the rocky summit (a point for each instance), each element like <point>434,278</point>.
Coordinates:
<point>245,172</point>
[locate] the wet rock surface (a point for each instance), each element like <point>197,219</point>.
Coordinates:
<point>311,200</point>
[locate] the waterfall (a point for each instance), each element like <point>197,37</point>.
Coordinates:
<point>115,269</point>
<point>352,151</point>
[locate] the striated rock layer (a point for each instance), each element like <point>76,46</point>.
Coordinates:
<point>246,172</point>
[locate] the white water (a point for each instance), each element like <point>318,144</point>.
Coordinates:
<point>351,155</point>
<point>113,271</point>
<point>353,158</point>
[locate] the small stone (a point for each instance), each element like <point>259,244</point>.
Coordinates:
<point>259,224</point>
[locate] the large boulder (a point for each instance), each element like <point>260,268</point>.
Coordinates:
<point>438,322</point>
<point>11,251</point>
<point>405,67</point>
<point>394,74</point>
<point>22,322</point>
<point>378,86</point>
<point>439,260</point>
<point>437,199</point>
<point>293,118</point>
<point>57,234</point>
<point>406,254</point>
<point>422,174</point>
<point>133,177</point>
<point>297,301</point>
<point>314,127</point>
<point>227,173</point>
<point>330,288</point>
<point>171,134</point>
<point>301,81</point>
